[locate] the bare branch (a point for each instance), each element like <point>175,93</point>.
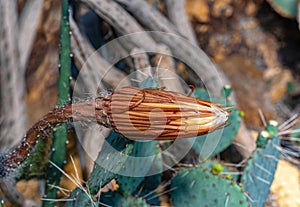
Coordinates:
<point>151,20</point>
<point>28,23</point>
<point>97,67</point>
<point>12,82</point>
<point>116,16</point>
<point>177,14</point>
<point>168,63</point>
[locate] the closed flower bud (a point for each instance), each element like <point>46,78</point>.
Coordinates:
<point>158,114</point>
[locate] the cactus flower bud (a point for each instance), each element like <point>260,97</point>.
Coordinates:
<point>158,114</point>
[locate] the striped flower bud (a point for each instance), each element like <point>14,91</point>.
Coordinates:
<point>158,114</point>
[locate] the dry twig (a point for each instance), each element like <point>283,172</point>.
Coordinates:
<point>12,82</point>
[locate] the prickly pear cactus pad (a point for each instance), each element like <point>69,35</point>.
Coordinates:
<point>259,173</point>
<point>145,150</point>
<point>198,187</point>
<point>116,199</point>
<point>79,198</point>
<point>132,202</point>
<point>147,188</point>
<point>99,177</point>
<point>106,164</point>
<point>218,168</point>
<point>286,8</point>
<point>202,142</point>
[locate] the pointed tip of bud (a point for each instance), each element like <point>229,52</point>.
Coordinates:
<point>221,115</point>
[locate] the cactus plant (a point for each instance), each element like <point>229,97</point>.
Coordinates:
<point>151,182</point>
<point>79,198</point>
<point>259,173</point>
<point>138,169</point>
<point>129,185</point>
<point>218,168</point>
<point>106,166</point>
<point>60,132</point>
<point>116,199</point>
<point>287,8</point>
<point>137,186</point>
<point>199,187</point>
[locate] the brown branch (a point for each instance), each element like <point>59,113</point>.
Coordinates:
<point>123,22</point>
<point>160,22</point>
<point>167,63</point>
<point>116,16</point>
<point>28,23</point>
<point>95,67</point>
<point>12,83</point>
<point>177,14</point>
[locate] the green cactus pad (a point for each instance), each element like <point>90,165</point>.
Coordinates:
<point>107,164</point>
<point>100,176</point>
<point>259,173</point>
<point>132,202</point>
<point>117,141</point>
<point>214,166</point>
<point>79,198</point>
<point>198,187</point>
<point>207,147</point>
<point>117,200</point>
<point>138,169</point>
<point>286,8</point>
<point>150,183</point>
